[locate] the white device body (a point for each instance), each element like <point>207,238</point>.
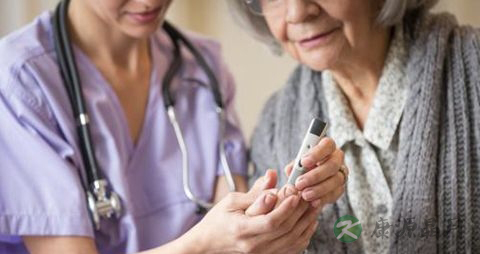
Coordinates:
<point>310,140</point>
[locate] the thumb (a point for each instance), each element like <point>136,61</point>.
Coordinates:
<point>268,181</point>
<point>245,200</point>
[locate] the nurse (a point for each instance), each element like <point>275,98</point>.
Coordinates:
<point>122,56</point>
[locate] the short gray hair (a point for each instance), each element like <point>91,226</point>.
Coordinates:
<point>391,13</point>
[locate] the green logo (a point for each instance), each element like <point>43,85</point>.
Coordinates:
<point>347,229</point>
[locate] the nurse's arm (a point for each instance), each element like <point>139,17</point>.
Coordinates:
<point>60,244</point>
<point>86,245</point>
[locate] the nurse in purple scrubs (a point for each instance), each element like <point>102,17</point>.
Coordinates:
<point>122,55</point>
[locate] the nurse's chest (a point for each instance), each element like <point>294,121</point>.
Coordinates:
<point>132,93</point>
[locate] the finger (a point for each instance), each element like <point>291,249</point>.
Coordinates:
<point>284,228</point>
<point>319,153</point>
<point>270,222</point>
<point>293,220</point>
<point>285,192</point>
<point>263,205</point>
<point>288,169</point>
<point>297,239</point>
<point>326,170</point>
<point>234,201</point>
<point>320,190</point>
<point>238,201</point>
<point>333,196</point>
<point>268,181</point>
<point>305,222</point>
<point>271,179</point>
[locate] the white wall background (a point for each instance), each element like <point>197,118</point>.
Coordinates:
<point>257,72</point>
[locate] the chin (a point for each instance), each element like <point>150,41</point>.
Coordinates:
<point>320,63</point>
<point>320,59</point>
<point>141,33</point>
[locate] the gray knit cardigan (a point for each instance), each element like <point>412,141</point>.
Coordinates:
<point>437,175</point>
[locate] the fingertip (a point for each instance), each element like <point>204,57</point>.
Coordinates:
<point>328,141</point>
<point>288,169</point>
<point>300,183</point>
<point>270,179</point>
<point>308,162</point>
<point>270,171</point>
<point>268,174</point>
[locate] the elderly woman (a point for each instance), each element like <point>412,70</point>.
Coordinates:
<point>400,87</point>
<point>126,54</point>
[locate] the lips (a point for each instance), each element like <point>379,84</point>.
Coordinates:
<point>318,39</point>
<point>146,17</point>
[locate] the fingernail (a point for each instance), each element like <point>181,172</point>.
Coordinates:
<point>269,199</point>
<point>266,180</point>
<point>295,201</point>
<point>316,203</point>
<point>308,195</point>
<point>308,162</point>
<point>300,183</point>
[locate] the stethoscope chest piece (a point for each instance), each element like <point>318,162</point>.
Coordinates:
<point>102,206</point>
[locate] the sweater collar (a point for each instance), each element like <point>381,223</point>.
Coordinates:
<point>387,107</point>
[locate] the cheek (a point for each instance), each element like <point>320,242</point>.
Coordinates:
<point>325,57</point>
<point>293,51</point>
<point>278,29</point>
<point>107,10</point>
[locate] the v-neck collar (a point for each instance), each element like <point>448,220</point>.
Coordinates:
<point>104,84</point>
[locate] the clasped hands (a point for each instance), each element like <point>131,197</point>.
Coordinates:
<point>269,220</point>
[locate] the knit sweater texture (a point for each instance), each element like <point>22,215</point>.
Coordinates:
<point>437,175</point>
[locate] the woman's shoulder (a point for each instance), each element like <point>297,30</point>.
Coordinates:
<point>300,88</point>
<point>423,29</point>
<point>27,55</point>
<point>297,84</point>
<point>29,42</point>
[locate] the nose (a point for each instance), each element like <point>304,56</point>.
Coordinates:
<point>298,11</point>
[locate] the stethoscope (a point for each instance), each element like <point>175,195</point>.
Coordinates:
<point>102,201</point>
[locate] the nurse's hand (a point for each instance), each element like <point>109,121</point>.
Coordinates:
<point>323,183</point>
<point>285,229</point>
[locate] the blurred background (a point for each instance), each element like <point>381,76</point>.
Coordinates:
<point>257,72</point>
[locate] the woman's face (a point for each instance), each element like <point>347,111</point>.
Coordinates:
<point>324,33</point>
<point>136,18</point>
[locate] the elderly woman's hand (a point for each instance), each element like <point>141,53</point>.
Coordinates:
<point>324,181</point>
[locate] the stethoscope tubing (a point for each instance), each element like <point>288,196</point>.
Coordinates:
<point>72,82</point>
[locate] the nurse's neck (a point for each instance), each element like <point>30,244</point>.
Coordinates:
<point>103,43</point>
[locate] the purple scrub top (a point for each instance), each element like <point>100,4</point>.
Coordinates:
<point>40,162</point>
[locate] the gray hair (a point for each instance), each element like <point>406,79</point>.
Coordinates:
<point>391,13</point>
